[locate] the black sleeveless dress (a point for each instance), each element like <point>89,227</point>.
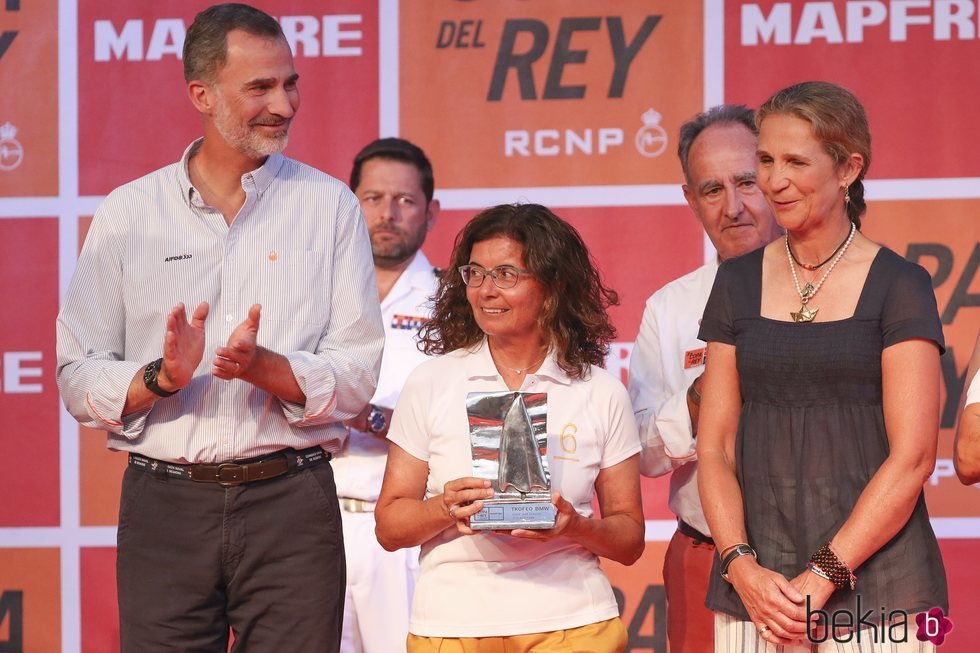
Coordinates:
<point>812,433</point>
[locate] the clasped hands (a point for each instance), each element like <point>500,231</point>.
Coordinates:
<point>183,347</point>
<point>463,497</point>
<point>777,606</point>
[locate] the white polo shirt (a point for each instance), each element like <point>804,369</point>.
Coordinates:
<point>360,467</point>
<point>492,584</point>
<point>666,359</point>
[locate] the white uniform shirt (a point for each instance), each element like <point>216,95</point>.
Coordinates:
<point>493,584</point>
<point>359,470</point>
<point>666,359</point>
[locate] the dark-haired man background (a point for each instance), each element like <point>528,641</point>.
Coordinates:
<point>393,180</point>
<point>228,516</point>
<point>717,154</point>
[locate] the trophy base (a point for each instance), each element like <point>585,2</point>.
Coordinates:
<point>534,515</point>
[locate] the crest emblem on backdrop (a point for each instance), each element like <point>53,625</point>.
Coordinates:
<point>651,139</point>
<point>11,151</point>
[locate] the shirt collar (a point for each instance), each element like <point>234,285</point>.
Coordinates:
<point>417,276</point>
<point>187,190</point>
<point>258,180</point>
<point>420,272</point>
<point>479,364</point>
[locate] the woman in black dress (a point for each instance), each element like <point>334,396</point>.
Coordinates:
<point>821,403</point>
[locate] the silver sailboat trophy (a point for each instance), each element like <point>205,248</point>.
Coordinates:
<point>509,442</point>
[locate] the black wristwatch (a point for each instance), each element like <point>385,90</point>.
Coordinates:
<point>150,374</point>
<point>376,420</point>
<point>736,551</point>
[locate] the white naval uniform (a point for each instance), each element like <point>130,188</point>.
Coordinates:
<point>380,583</point>
<point>666,359</point>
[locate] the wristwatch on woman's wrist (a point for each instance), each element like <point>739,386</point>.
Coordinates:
<point>736,551</point>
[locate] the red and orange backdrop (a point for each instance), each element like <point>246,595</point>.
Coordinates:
<point>572,103</point>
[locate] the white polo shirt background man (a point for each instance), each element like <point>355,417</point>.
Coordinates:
<point>717,152</point>
<point>393,180</point>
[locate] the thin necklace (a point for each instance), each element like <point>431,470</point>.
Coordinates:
<point>806,314</point>
<point>520,371</point>
<point>811,268</point>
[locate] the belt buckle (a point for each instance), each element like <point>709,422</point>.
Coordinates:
<point>235,470</point>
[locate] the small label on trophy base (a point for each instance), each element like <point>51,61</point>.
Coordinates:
<point>508,516</point>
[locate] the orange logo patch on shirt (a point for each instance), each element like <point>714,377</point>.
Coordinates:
<point>695,358</point>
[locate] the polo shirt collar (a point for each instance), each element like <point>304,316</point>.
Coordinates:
<point>480,365</point>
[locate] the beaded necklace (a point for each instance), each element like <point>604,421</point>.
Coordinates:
<point>806,314</point>
<point>811,268</point>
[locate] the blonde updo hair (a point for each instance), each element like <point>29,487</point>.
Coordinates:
<point>838,121</point>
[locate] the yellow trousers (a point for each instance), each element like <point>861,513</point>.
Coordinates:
<point>602,637</point>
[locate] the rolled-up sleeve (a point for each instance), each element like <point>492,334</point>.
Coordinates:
<point>93,377</point>
<point>662,417</point>
<point>340,376</point>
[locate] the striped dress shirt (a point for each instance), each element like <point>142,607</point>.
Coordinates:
<point>298,247</point>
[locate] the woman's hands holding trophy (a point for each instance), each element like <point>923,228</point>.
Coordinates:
<point>463,498</point>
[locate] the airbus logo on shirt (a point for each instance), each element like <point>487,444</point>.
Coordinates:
<point>178,257</point>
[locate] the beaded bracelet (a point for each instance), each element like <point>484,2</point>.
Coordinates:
<point>818,571</point>
<point>834,569</point>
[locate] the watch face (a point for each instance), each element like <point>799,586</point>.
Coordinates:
<point>376,420</point>
<point>150,373</point>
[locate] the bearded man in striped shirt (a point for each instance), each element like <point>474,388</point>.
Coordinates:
<point>228,517</point>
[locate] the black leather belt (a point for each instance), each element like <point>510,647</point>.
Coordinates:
<point>231,474</point>
<point>693,533</point>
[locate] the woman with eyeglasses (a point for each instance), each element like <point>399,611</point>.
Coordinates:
<point>525,311</point>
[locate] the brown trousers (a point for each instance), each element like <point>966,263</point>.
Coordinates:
<point>265,560</point>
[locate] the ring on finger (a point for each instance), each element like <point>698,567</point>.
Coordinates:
<point>452,511</point>
<point>763,629</point>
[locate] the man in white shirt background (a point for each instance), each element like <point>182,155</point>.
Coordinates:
<point>717,153</point>
<point>393,180</point>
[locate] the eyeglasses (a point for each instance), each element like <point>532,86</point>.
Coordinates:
<point>504,276</point>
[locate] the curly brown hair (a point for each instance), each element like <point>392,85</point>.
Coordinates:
<point>574,315</point>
